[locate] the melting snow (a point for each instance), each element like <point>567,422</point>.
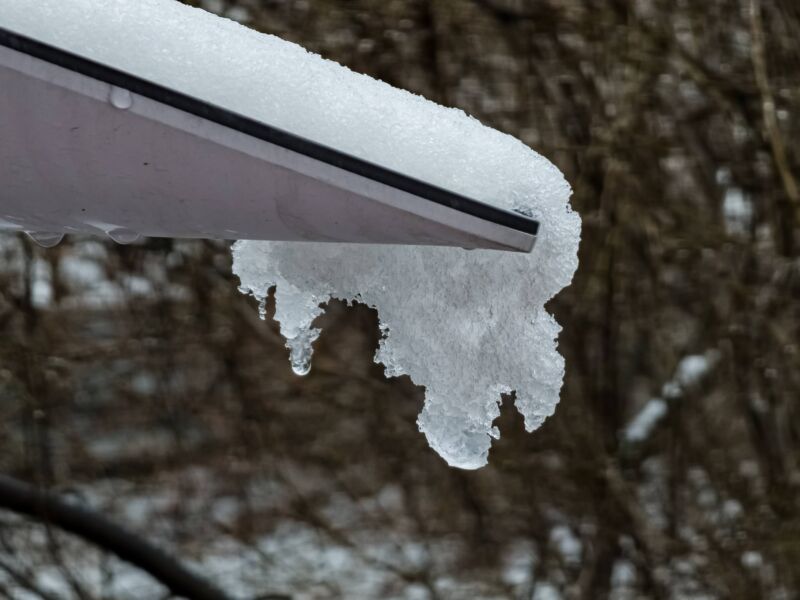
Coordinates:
<point>469,326</point>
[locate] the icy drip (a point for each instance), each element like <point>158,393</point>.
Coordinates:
<point>301,350</point>
<point>120,98</point>
<point>295,311</point>
<point>46,239</point>
<point>123,236</point>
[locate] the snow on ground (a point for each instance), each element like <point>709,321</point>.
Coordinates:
<point>353,550</point>
<point>294,558</point>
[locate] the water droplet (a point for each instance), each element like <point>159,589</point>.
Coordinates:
<point>301,361</point>
<point>301,351</point>
<point>123,236</point>
<point>46,239</point>
<point>120,98</point>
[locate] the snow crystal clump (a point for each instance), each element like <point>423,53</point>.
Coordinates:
<point>468,326</point>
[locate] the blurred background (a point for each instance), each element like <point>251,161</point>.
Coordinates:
<point>137,380</point>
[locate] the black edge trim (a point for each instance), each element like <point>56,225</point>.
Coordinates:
<point>265,132</point>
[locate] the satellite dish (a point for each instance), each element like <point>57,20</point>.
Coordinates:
<point>88,148</point>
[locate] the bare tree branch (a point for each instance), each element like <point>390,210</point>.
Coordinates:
<point>791,212</point>
<point>93,527</point>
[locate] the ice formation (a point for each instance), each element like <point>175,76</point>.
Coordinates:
<point>468,326</point>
